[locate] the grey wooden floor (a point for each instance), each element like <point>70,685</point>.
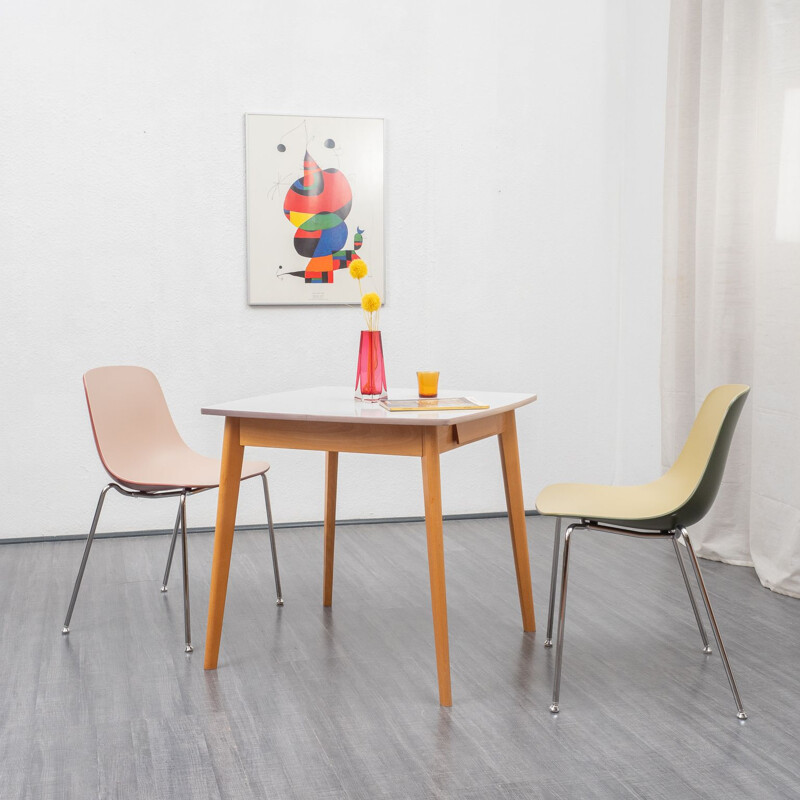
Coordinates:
<point>342,703</point>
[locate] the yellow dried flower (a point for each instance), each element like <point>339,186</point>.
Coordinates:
<point>371,302</point>
<point>358,269</point>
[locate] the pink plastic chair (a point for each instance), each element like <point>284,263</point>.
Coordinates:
<point>142,451</point>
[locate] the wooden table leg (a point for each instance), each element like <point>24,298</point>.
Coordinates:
<point>512,480</point>
<point>331,472</point>
<point>230,479</point>
<point>432,489</point>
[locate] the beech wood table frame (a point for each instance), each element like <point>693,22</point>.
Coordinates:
<point>330,420</point>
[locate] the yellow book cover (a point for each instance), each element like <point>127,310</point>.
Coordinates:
<point>432,404</point>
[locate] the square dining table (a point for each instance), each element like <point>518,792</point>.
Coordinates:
<point>330,420</point>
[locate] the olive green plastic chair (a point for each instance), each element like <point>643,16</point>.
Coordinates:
<point>144,454</point>
<point>663,509</point>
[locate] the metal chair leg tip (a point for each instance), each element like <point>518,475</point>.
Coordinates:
<point>65,630</point>
<point>279,601</point>
<point>707,649</point>
<point>548,642</point>
<point>188,649</point>
<point>554,708</point>
<point>164,589</point>
<point>741,715</point>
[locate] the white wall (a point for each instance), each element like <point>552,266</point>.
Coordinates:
<point>524,145</point>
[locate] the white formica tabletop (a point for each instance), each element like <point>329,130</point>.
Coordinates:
<point>337,404</point>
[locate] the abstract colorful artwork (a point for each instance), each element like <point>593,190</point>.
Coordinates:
<point>314,205</point>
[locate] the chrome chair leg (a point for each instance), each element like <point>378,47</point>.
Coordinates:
<point>548,642</point>
<point>271,529</point>
<point>740,713</point>
<point>562,610</point>
<point>171,549</point>
<point>700,627</point>
<point>186,617</point>
<point>89,540</point>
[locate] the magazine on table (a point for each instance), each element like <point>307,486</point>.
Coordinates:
<point>432,404</point>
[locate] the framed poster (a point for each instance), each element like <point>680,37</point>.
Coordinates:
<point>314,205</point>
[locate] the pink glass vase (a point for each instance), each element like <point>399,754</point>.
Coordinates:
<point>371,375</point>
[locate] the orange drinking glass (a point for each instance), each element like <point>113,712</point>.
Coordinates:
<point>428,383</point>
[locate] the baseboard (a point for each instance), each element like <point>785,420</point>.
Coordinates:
<point>278,526</point>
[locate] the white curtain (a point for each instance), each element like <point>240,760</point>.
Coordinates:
<point>731,310</point>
